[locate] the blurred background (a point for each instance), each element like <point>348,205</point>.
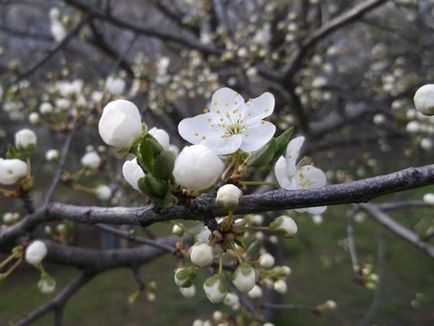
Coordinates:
<point>343,72</point>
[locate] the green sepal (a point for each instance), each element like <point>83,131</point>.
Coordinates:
<point>149,149</point>
<point>163,165</point>
<point>153,187</point>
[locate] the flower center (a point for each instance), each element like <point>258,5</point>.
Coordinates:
<point>234,129</point>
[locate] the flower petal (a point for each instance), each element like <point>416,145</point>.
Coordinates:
<point>223,145</point>
<point>312,210</point>
<point>257,136</point>
<point>281,174</point>
<point>292,152</point>
<point>196,128</point>
<point>225,100</point>
<point>309,177</point>
<point>260,107</point>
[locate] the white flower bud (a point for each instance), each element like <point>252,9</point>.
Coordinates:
<point>426,144</point>
<point>115,86</point>
<point>36,252</point>
<point>103,192</point>
<point>317,219</point>
<point>280,286</point>
<point>244,278</point>
<point>174,149</point>
<point>201,254</point>
<point>63,104</point>
<point>161,136</point>
<point>429,198</point>
<point>177,230</point>
<point>91,160</point>
<point>379,119</point>
<point>266,260</point>
<point>184,276</point>
<point>203,235</point>
<point>214,288</point>
<point>188,292</point>
<point>197,322</point>
<point>46,108</point>
<point>327,306</point>
<point>217,315</point>
<point>228,196</point>
<point>47,285</point>
<point>285,225</point>
<point>255,292</point>
<point>197,167</point>
<point>25,139</point>
<point>424,99</point>
<point>132,173</point>
<point>34,118</point>
<point>412,127</point>
<point>231,299</point>
<point>12,170</point>
<point>120,124</point>
<point>52,155</point>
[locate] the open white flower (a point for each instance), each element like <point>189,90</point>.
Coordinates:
<point>36,252</point>
<point>120,124</point>
<point>132,173</point>
<point>11,170</point>
<point>231,124</point>
<point>293,176</point>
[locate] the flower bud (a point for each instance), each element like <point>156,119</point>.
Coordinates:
<point>329,305</point>
<point>266,260</point>
<point>12,170</point>
<point>429,198</point>
<point>120,124</point>
<point>255,292</point>
<point>46,108</point>
<point>215,289</point>
<point>231,300</point>
<point>161,136</point>
<point>424,99</point>
<point>188,292</point>
<point>197,167</point>
<point>244,278</point>
<point>201,254</point>
<point>177,230</point>
<point>115,86</point>
<point>36,252</point>
<point>34,118</point>
<point>284,224</point>
<point>47,284</point>
<point>228,196</point>
<point>52,155</point>
<point>91,160</point>
<point>185,275</point>
<point>132,173</point>
<point>280,286</point>
<point>103,192</point>
<point>25,139</point>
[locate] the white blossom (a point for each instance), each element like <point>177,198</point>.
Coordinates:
<point>293,176</point>
<point>255,292</point>
<point>201,254</point>
<point>12,170</point>
<point>424,99</point>
<point>214,288</point>
<point>266,260</point>
<point>47,285</point>
<point>228,196</point>
<point>25,139</point>
<point>280,286</point>
<point>46,108</point>
<point>231,300</point>
<point>197,167</point>
<point>244,278</point>
<point>188,292</point>
<point>115,85</point>
<point>120,124</point>
<point>231,123</point>
<point>429,198</point>
<point>91,160</point>
<point>36,252</point>
<point>161,136</point>
<point>52,155</point>
<point>286,225</point>
<point>103,192</point>
<point>34,118</point>
<point>132,173</point>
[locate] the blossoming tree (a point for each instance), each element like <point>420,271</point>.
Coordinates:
<point>233,189</point>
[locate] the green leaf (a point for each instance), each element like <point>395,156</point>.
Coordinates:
<point>263,156</point>
<point>282,141</point>
<point>163,165</point>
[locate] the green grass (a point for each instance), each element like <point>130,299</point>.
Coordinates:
<point>321,270</point>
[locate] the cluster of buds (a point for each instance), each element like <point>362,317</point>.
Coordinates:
<point>148,289</point>
<point>364,274</point>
